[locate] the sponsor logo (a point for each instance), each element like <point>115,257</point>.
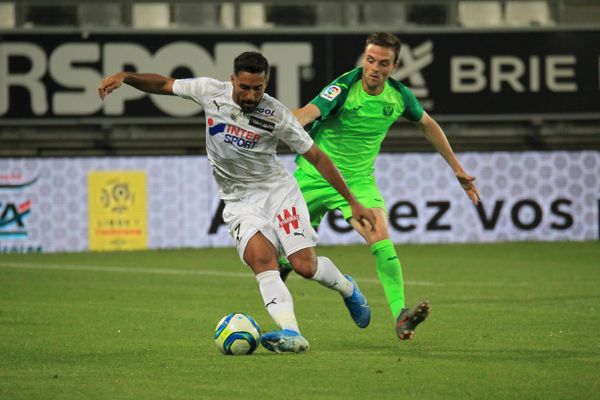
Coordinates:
<point>265,111</point>
<point>44,95</point>
<point>20,249</point>
<point>413,60</point>
<point>234,135</point>
<point>213,128</point>
<point>12,219</point>
<point>262,124</point>
<point>331,92</point>
<point>288,218</point>
<point>217,105</point>
<point>272,302</point>
<point>524,215</point>
<point>14,180</point>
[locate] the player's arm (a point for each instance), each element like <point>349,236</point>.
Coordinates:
<point>329,171</point>
<point>436,136</point>
<point>149,83</point>
<point>307,114</point>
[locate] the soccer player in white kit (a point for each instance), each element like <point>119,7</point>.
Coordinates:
<point>264,209</point>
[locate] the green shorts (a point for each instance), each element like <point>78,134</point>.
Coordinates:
<point>321,197</point>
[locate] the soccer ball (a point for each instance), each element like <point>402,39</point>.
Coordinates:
<point>237,333</point>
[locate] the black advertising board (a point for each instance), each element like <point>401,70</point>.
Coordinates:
<point>462,74</point>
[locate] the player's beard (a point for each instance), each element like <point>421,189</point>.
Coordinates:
<point>375,82</point>
<point>248,106</point>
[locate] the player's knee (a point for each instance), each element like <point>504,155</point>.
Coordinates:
<point>305,269</point>
<point>261,262</point>
<point>379,233</point>
<point>304,264</point>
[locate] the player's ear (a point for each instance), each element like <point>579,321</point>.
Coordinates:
<point>232,77</point>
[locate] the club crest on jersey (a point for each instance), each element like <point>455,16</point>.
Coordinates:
<point>287,218</point>
<point>237,115</point>
<point>388,110</point>
<point>234,135</point>
<point>331,92</point>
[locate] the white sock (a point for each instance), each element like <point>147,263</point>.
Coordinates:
<point>277,299</point>
<point>330,276</point>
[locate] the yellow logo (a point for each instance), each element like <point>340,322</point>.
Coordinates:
<point>118,211</point>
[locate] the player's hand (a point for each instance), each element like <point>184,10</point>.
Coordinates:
<point>466,182</point>
<point>109,84</point>
<point>364,216</point>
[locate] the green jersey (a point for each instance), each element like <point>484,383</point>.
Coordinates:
<point>354,123</point>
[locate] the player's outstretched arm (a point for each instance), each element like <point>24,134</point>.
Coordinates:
<point>436,136</point>
<point>149,83</point>
<point>329,171</point>
<point>307,114</point>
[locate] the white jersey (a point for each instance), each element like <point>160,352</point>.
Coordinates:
<point>242,147</point>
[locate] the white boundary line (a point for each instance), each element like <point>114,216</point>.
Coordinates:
<point>248,274</point>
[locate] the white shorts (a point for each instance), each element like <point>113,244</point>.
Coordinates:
<point>276,209</point>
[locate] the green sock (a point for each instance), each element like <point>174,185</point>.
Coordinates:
<point>284,263</point>
<point>389,271</point>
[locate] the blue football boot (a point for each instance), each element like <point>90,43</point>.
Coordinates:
<point>358,306</point>
<point>284,341</point>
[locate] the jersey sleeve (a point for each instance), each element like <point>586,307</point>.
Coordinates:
<point>331,99</point>
<point>191,89</point>
<point>294,135</point>
<point>413,110</point>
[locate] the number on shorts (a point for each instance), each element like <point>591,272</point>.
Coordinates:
<point>237,232</point>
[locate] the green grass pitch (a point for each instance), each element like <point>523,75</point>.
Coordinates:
<point>509,321</point>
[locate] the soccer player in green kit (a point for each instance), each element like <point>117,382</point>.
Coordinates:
<point>353,115</point>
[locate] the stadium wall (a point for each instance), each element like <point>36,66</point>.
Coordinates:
<point>79,204</point>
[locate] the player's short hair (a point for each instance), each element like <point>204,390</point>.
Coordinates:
<point>251,61</point>
<point>387,40</point>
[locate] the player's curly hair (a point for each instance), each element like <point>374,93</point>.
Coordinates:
<point>387,40</point>
<point>251,61</point>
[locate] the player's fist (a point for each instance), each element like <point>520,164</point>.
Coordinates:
<point>365,216</point>
<point>109,84</point>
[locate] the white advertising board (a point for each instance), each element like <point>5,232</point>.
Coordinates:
<point>543,196</point>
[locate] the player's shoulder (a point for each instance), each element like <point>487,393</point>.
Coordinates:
<point>200,86</point>
<point>347,79</point>
<point>397,85</point>
<point>272,109</point>
<point>214,86</point>
<point>339,87</point>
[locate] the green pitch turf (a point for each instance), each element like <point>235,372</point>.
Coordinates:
<point>509,321</point>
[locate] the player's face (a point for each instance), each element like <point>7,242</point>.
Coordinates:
<point>378,64</point>
<point>248,89</point>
